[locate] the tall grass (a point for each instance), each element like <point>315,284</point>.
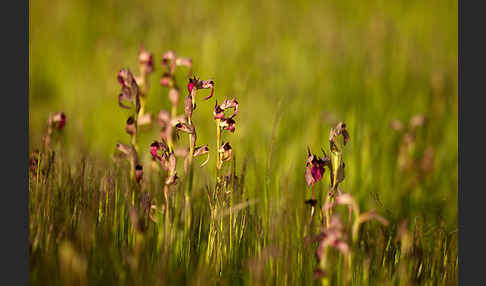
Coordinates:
<point>297,68</point>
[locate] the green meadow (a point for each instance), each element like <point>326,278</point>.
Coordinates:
<point>387,69</point>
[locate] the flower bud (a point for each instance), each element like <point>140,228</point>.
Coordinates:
<point>129,87</point>
<point>228,124</point>
<point>174,96</point>
<point>188,108</point>
<point>166,80</point>
<point>340,129</point>
<point>126,79</point>
<point>172,179</point>
<point>218,111</point>
<point>195,84</point>
<point>145,60</point>
<point>167,58</point>
<point>58,120</point>
<point>138,173</point>
<point>130,127</point>
<point>417,121</point>
<point>184,127</point>
<point>226,151</point>
<point>230,103</point>
<point>125,149</point>
<point>186,62</point>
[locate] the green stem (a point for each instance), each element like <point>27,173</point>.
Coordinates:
<point>142,107</point>
<point>218,144</point>
<point>173,112</point>
<point>329,202</point>
<point>170,143</point>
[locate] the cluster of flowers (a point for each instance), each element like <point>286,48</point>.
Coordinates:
<point>55,124</point>
<point>223,122</point>
<point>130,93</point>
<point>416,162</point>
<point>164,151</point>
<point>332,234</point>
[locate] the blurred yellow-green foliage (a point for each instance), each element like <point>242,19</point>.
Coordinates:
<point>293,66</point>
<point>296,68</point>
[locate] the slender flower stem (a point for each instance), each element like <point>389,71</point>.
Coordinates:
<point>191,150</point>
<point>170,144</point>
<point>135,119</point>
<point>329,210</point>
<point>218,144</point>
<point>143,93</point>
<point>134,136</point>
<point>173,112</point>
<point>192,143</point>
<point>192,140</point>
<point>142,107</point>
<point>134,139</point>
<point>312,215</point>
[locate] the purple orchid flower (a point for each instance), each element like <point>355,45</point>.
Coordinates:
<point>315,168</point>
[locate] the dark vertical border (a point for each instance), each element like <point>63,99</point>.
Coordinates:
<point>472,117</point>
<point>14,214</point>
<point>14,210</point>
<point>25,173</point>
<point>460,145</point>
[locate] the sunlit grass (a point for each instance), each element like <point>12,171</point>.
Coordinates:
<point>296,70</point>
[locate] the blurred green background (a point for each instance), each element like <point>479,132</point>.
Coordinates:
<point>292,65</point>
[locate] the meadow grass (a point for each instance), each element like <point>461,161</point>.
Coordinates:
<point>296,69</point>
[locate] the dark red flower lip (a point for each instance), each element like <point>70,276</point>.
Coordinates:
<point>166,80</point>
<point>315,167</point>
<point>62,121</point>
<point>130,126</point>
<point>154,147</point>
<point>218,111</point>
<point>192,83</point>
<point>57,120</point>
<point>190,86</point>
<point>229,124</point>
